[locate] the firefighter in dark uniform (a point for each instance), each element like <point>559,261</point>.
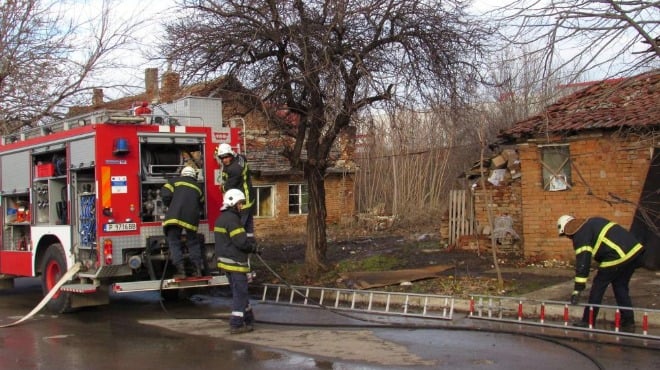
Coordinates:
<point>618,254</point>
<point>232,248</point>
<point>236,175</point>
<point>183,196</point>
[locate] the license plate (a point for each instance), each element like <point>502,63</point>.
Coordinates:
<point>129,226</point>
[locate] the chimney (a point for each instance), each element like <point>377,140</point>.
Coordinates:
<point>151,83</point>
<point>347,138</point>
<point>170,86</point>
<point>97,97</point>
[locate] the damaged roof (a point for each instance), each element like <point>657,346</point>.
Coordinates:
<point>612,104</point>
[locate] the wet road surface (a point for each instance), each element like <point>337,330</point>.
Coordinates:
<point>135,331</point>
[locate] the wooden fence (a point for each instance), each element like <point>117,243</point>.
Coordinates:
<point>461,215</point>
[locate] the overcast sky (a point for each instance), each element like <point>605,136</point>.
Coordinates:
<point>152,14</point>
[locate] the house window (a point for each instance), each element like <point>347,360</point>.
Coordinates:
<point>556,165</point>
<point>298,197</point>
<point>264,201</point>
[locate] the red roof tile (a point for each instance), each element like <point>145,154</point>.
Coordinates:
<point>631,102</point>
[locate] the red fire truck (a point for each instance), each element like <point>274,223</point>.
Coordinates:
<point>85,191</point>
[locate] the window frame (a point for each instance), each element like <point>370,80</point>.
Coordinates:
<point>302,199</point>
<point>556,176</point>
<point>258,202</point>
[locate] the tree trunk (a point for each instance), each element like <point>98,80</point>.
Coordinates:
<point>316,244</point>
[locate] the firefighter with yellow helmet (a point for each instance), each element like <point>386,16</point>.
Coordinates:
<point>617,252</point>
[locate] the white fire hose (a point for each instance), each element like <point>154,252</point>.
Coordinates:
<point>66,277</point>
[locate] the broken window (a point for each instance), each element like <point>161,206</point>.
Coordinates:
<point>264,202</point>
<point>556,166</point>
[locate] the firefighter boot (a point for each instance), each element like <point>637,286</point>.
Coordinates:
<point>197,270</point>
<point>249,318</point>
<point>180,271</point>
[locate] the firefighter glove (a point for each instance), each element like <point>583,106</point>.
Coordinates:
<point>579,287</point>
<point>254,247</point>
<point>575,297</point>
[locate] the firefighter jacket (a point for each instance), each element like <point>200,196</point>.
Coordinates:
<point>232,246</point>
<point>606,242</point>
<point>237,175</point>
<point>183,196</point>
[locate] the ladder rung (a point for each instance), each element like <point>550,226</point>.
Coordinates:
<point>377,302</point>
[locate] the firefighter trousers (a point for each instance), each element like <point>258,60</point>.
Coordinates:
<point>175,245</point>
<point>619,276</point>
<point>241,312</point>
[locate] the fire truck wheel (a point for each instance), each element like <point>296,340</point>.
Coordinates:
<point>52,268</point>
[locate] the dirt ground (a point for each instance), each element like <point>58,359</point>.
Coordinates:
<point>467,273</point>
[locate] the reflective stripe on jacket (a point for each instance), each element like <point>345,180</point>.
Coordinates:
<point>183,196</point>
<point>232,246</point>
<point>606,242</point>
<point>237,175</point>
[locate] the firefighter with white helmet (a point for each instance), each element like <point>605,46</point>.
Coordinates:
<point>236,175</point>
<point>232,248</point>
<point>224,149</point>
<point>184,197</point>
<point>561,223</point>
<point>617,252</point>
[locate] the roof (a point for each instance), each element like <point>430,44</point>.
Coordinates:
<point>264,151</point>
<point>631,102</point>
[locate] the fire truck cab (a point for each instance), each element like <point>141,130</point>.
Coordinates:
<point>86,190</point>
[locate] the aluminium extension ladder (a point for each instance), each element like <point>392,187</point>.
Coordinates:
<point>366,301</point>
<point>559,314</point>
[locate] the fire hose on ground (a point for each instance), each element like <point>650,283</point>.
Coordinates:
<point>66,277</point>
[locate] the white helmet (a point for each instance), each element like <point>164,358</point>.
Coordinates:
<point>562,222</point>
<point>224,149</point>
<point>231,197</point>
<point>189,172</point>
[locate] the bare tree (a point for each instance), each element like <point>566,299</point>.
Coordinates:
<point>607,36</point>
<point>410,160</point>
<point>47,57</point>
<point>326,61</point>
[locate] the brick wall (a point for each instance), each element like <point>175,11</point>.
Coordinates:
<point>506,200</point>
<point>339,205</point>
<point>338,187</point>
<point>606,165</point>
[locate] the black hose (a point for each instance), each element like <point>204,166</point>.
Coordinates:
<point>160,288</point>
<point>416,327</point>
<point>379,324</point>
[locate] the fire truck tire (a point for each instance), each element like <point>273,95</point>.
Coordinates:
<point>52,268</point>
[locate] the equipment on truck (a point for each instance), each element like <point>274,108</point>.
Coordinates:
<point>86,190</point>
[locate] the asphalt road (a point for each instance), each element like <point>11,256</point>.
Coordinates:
<point>135,331</point>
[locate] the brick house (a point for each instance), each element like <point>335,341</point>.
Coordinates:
<point>593,152</point>
<point>281,191</point>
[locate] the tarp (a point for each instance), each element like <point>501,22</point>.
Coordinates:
<point>373,279</point>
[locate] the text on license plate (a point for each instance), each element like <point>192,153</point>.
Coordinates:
<point>129,226</point>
